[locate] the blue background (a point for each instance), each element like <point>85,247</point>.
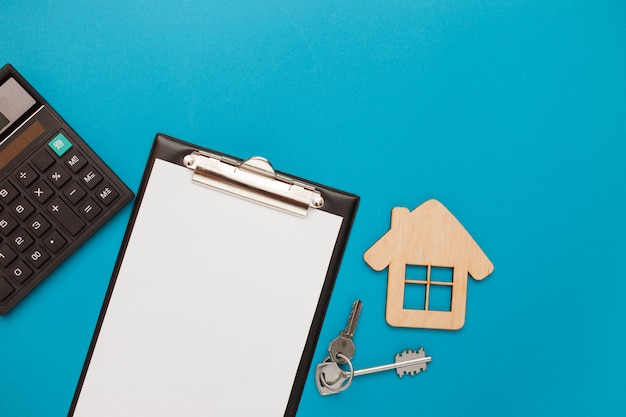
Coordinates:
<point>512,113</point>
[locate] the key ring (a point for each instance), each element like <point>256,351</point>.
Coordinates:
<point>343,381</point>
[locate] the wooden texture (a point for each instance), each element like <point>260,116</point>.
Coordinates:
<point>429,236</point>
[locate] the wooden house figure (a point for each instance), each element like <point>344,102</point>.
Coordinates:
<point>433,239</point>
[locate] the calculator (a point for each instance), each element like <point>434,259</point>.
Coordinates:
<point>55,192</point>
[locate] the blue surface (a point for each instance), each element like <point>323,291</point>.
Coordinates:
<point>512,113</point>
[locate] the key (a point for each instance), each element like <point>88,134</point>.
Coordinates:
<point>343,344</point>
<point>331,379</point>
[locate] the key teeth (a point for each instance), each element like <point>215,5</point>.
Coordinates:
<point>413,369</point>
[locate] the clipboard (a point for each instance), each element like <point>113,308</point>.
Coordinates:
<point>219,292</point>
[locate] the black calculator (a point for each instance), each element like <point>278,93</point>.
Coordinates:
<point>55,192</point>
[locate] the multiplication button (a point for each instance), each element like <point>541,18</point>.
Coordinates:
<point>41,192</point>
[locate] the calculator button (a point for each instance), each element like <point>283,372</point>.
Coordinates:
<point>37,256</point>
<point>90,178</point>
<point>54,242</point>
<point>107,194</point>
<point>41,192</point>
<point>20,272</point>
<point>42,160</point>
<point>21,240</point>
<point>75,161</point>
<point>74,192</point>
<point>6,289</point>
<point>7,224</point>
<point>60,144</point>
<point>7,255</point>
<point>58,176</point>
<point>90,209</point>
<point>39,225</point>
<point>26,175</point>
<point>22,208</point>
<point>65,216</point>
<point>8,192</point>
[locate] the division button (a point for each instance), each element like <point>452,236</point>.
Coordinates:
<point>54,242</point>
<point>26,175</point>
<point>65,216</point>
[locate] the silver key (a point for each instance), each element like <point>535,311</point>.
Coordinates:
<point>331,379</point>
<point>343,344</point>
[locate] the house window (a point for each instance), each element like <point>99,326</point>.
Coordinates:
<point>428,288</point>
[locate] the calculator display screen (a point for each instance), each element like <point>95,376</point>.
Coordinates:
<point>20,142</point>
<point>15,102</point>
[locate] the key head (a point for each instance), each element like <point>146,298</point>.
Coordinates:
<point>342,345</point>
<point>330,378</point>
<point>411,369</point>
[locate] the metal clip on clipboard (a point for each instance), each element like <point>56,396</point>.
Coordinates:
<point>254,180</point>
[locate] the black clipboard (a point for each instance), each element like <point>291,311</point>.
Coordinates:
<point>216,302</point>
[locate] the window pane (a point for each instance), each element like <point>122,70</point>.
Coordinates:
<point>440,297</point>
<point>416,272</point>
<point>415,296</point>
<point>441,274</point>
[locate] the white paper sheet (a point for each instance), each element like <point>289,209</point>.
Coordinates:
<point>212,306</point>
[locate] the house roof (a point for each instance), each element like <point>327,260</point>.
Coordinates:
<point>428,235</point>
